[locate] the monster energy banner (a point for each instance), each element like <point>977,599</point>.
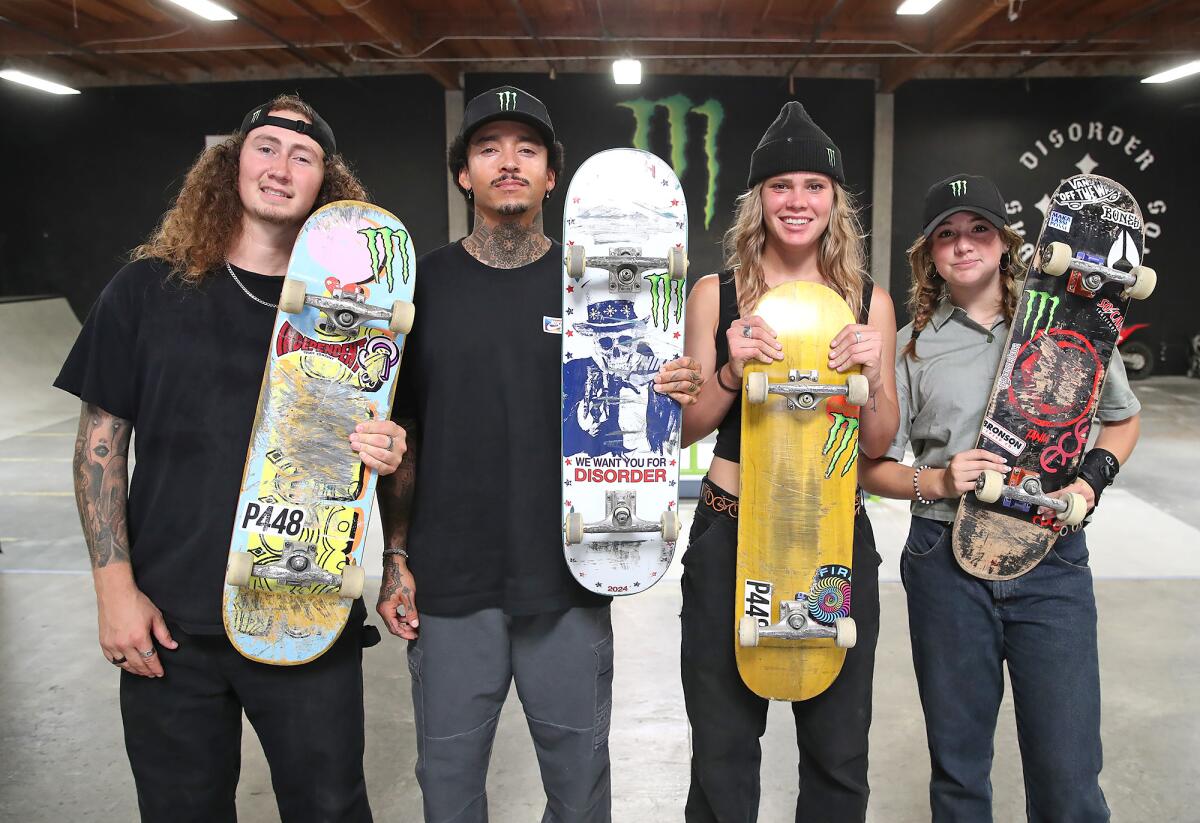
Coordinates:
<point>1023,136</point>
<point>706,128</point>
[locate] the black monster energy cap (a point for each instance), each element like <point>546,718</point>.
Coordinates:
<point>318,129</point>
<point>507,103</point>
<point>963,192</point>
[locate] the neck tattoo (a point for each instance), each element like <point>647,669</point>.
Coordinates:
<point>506,245</point>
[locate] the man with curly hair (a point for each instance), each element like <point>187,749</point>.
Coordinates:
<point>174,347</point>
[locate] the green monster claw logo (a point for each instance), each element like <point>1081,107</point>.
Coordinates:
<point>508,100</point>
<point>665,292</point>
<point>844,432</point>
<point>392,241</point>
<point>832,156</point>
<point>958,188</point>
<point>1042,299</point>
<point>678,107</point>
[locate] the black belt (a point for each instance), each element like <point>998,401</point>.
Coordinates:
<point>723,503</point>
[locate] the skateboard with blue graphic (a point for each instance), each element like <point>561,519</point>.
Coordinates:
<point>624,285</point>
<point>799,476</point>
<point>1085,270</point>
<point>295,558</point>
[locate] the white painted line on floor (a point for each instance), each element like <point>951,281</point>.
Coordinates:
<point>46,434</point>
<point>37,494</point>
<point>74,572</point>
<point>35,459</point>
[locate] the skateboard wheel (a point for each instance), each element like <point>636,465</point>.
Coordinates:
<point>574,528</point>
<point>756,387</point>
<point>670,526</point>
<point>989,487</point>
<point>1076,510</point>
<point>858,390</point>
<point>677,264</point>
<point>240,566</point>
<point>353,580</point>
<point>291,299</point>
<point>1144,285</point>
<point>747,632</point>
<point>847,632</point>
<point>401,320</point>
<point>1055,259</point>
<point>576,262</point>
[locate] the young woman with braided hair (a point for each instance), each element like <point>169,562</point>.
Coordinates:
<point>796,222</point>
<point>965,273</point>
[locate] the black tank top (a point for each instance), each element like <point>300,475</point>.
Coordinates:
<point>729,432</point>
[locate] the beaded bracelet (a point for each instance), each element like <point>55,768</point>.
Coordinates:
<point>917,487</point>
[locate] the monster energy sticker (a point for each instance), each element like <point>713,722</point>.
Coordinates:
<point>1041,300</point>
<point>666,293</point>
<point>678,107</point>
<point>758,601</point>
<point>843,434</point>
<point>958,187</point>
<point>384,243</point>
<point>508,100</point>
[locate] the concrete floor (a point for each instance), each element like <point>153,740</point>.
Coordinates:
<point>61,749</point>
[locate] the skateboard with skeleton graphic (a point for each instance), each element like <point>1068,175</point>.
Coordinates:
<point>799,475</point>
<point>295,558</point>
<point>624,283</point>
<point>1084,271</point>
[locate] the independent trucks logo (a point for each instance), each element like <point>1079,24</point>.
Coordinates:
<point>958,188</point>
<point>678,107</point>
<point>508,100</point>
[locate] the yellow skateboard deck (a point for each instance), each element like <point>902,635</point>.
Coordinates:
<point>796,518</point>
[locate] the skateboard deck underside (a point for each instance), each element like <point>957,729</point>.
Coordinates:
<point>303,484</point>
<point>796,518</point>
<point>621,321</point>
<point>1047,389</point>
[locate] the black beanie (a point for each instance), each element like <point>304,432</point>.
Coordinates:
<point>794,143</point>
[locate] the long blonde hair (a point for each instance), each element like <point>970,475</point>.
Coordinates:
<point>928,288</point>
<point>841,257</point>
<point>202,224</point>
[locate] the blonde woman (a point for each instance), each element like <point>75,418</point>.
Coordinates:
<point>796,222</point>
<point>963,629</point>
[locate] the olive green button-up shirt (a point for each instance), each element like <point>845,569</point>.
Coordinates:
<point>943,393</point>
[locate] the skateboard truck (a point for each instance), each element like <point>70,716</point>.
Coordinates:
<point>624,264</point>
<point>297,566</point>
<point>345,313</point>
<point>1056,259</point>
<point>796,624</point>
<point>991,488</point>
<point>802,391</point>
<point>620,517</point>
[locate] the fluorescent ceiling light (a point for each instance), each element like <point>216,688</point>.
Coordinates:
<point>910,6</point>
<point>14,76</point>
<point>206,9</point>
<point>1174,74</point>
<point>627,72</point>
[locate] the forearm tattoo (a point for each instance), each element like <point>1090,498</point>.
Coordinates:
<point>101,466</point>
<point>395,492</point>
<point>507,245</point>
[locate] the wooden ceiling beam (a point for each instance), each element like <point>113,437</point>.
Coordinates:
<point>395,25</point>
<point>951,30</point>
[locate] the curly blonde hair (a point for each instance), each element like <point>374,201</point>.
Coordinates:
<point>928,288</point>
<point>841,257</point>
<point>196,233</point>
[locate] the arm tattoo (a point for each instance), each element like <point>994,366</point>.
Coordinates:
<point>507,245</point>
<point>101,466</point>
<point>395,492</point>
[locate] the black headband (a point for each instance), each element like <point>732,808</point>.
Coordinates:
<point>318,129</point>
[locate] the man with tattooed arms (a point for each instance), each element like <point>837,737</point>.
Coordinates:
<point>472,518</point>
<point>174,348</point>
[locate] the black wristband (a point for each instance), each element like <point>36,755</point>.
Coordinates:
<point>1099,469</point>
<point>721,383</point>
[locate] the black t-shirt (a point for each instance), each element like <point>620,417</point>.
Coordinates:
<point>184,364</point>
<point>481,376</point>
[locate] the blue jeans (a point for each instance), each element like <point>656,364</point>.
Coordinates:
<point>963,630</point>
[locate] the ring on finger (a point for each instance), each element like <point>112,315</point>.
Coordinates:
<point>389,445</point>
<point>747,331</point>
<point>857,337</point>
<point>146,655</point>
<point>119,661</point>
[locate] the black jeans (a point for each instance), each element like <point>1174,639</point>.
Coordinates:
<point>183,731</point>
<point>727,719</point>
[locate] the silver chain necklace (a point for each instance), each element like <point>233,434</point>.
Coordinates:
<point>258,300</point>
